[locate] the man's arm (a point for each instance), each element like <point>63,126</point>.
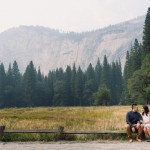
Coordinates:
<point>128,119</point>
<point>140,119</point>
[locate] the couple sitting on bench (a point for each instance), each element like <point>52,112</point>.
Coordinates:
<point>137,122</point>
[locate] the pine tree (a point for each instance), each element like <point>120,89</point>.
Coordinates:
<point>106,73</point>
<point>119,83</point>
<point>127,69</point>
<point>59,98</point>
<point>79,88</point>
<point>113,84</point>
<point>146,34</point>
<point>49,82</point>
<point>59,74</point>
<point>2,85</point>
<point>90,85</point>
<point>67,80</point>
<point>16,74</point>
<point>39,75</point>
<point>90,72</point>
<point>73,84</point>
<point>17,85</point>
<point>138,58</point>
<point>41,90</point>
<point>9,89</point>
<point>135,57</point>
<point>98,72</point>
<point>29,80</point>
<point>9,76</point>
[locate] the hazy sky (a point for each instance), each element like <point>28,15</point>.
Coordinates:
<point>69,15</point>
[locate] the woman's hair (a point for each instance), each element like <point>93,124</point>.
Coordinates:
<point>146,110</point>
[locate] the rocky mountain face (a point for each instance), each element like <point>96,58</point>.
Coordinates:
<point>50,48</point>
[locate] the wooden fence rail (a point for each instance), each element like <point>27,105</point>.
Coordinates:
<point>60,130</point>
<point>95,132</point>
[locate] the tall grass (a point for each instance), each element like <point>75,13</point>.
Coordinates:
<point>72,118</point>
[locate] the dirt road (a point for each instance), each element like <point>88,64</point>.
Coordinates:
<point>75,146</point>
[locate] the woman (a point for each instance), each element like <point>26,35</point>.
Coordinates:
<point>146,120</point>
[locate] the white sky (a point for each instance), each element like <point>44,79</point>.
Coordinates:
<point>69,15</point>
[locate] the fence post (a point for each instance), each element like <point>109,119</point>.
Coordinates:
<point>2,128</point>
<point>60,131</point>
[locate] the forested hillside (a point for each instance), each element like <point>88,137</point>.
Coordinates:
<point>137,69</point>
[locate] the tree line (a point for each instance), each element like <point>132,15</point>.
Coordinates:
<point>70,87</point>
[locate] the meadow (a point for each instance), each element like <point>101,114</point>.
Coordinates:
<point>72,118</point>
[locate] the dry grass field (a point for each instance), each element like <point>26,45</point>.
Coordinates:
<point>72,118</point>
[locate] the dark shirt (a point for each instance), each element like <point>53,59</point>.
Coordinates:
<point>133,118</point>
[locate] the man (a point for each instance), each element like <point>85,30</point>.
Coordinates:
<point>134,123</point>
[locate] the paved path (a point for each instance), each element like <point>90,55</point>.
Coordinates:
<point>75,146</point>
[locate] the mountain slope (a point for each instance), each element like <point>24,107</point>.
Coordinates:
<point>50,49</point>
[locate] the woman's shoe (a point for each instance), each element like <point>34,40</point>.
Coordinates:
<point>130,140</point>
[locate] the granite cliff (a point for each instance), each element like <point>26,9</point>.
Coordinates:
<point>50,48</point>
